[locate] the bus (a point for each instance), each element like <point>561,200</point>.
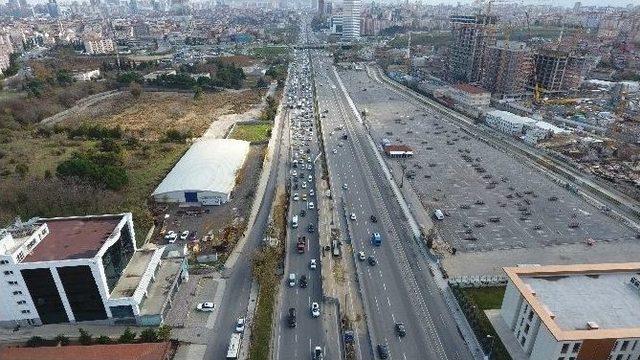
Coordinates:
<point>234,346</point>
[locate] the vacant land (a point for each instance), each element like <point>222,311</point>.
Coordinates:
<point>29,156</point>
<point>254,132</point>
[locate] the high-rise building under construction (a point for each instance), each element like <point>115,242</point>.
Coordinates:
<point>558,71</point>
<point>471,34</point>
<point>508,66</point>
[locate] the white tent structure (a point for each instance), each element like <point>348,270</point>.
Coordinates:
<point>205,174</point>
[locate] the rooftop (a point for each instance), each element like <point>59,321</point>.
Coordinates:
<point>511,117</point>
<point>74,238</point>
<point>470,89</point>
<point>132,274</point>
<point>146,351</point>
<point>567,297</point>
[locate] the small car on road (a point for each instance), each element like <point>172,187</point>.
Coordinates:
<point>401,330</point>
<point>372,261</point>
<point>383,351</point>
<point>240,325</point>
<point>315,310</point>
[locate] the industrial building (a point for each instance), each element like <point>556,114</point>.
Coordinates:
<point>84,268</point>
<point>529,130</point>
<point>558,71</point>
<point>206,173</point>
<point>574,312</point>
<point>351,19</point>
<point>470,37</point>
<point>507,70</point>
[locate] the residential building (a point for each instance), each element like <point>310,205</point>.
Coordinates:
<point>470,96</point>
<point>351,19</point>
<point>470,36</point>
<point>94,46</point>
<point>84,268</point>
<point>572,312</point>
<point>508,67</point>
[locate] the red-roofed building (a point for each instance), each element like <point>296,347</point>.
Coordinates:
<point>470,95</point>
<point>83,268</point>
<point>146,351</point>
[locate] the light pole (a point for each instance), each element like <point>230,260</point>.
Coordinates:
<point>404,168</point>
<point>492,339</point>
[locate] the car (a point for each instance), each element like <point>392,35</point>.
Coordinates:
<point>374,219</point>
<point>206,306</point>
<point>312,192</point>
<point>311,229</point>
<point>294,173</point>
<point>383,351</point>
<point>310,178</point>
<point>303,212</point>
<point>304,197</point>
<point>372,261</point>
<point>318,353</point>
<point>311,205</point>
<point>184,235</point>
<point>313,264</point>
<point>296,197</point>
<point>303,281</point>
<point>352,216</point>
<point>291,319</point>
<point>304,184</point>
<point>292,280</point>
<point>240,325</point>
<point>334,151</point>
<point>361,256</point>
<point>401,330</point>
<point>171,236</point>
<point>315,309</point>
<point>344,186</point>
<point>309,166</point>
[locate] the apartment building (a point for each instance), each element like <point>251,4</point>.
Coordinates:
<point>470,36</point>
<point>574,312</point>
<point>95,46</point>
<point>508,67</point>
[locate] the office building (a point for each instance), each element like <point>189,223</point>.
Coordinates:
<point>573,312</point>
<point>470,36</point>
<point>351,19</point>
<point>508,67</point>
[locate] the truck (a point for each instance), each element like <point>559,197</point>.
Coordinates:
<point>233,351</point>
<point>301,245</point>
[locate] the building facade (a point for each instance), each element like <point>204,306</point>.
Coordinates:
<point>574,312</point>
<point>470,96</point>
<point>558,71</point>
<point>351,10</point>
<point>470,37</point>
<point>99,46</point>
<point>507,70</point>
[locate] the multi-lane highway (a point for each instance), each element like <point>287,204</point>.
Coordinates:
<point>398,289</point>
<point>298,341</point>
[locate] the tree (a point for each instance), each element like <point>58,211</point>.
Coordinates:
<point>135,89</point>
<point>129,77</point>
<point>197,93</point>
<point>110,145</point>
<point>63,340</point>
<point>261,83</point>
<point>128,337</point>
<point>35,341</point>
<point>148,335</point>
<point>164,333</point>
<point>103,340</point>
<point>85,337</point>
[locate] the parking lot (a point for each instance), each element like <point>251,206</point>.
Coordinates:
<point>490,201</point>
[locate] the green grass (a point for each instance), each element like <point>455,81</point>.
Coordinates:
<point>486,298</point>
<point>270,52</point>
<point>254,133</point>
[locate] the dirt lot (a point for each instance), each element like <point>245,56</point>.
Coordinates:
<point>148,117</point>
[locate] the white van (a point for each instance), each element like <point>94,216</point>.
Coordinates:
<point>294,221</point>
<point>438,214</point>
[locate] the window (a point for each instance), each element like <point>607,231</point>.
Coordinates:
<point>523,340</point>
<point>530,315</point>
<point>625,345</point>
<point>526,329</point>
<point>21,302</point>
<point>561,358</point>
<point>521,321</point>
<point>619,357</point>
<point>8,272</point>
<point>576,347</point>
<point>12,282</point>
<point>17,292</point>
<point>4,262</point>
<point>572,358</point>
<point>26,311</point>
<point>565,348</point>
<point>633,347</point>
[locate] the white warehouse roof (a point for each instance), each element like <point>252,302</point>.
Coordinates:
<point>208,165</point>
<point>511,117</point>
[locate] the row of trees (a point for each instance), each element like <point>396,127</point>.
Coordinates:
<point>148,335</point>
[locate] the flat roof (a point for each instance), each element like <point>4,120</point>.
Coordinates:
<point>470,89</point>
<point>146,351</point>
<point>567,297</point>
<point>132,274</point>
<point>208,165</point>
<point>73,238</point>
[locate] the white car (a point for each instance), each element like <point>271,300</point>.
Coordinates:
<point>311,205</point>
<point>294,173</point>
<point>184,235</point>
<point>206,306</point>
<point>171,236</point>
<point>344,186</point>
<point>361,256</point>
<point>310,178</point>
<point>353,216</point>
<point>304,184</point>
<point>315,309</point>
<point>313,264</point>
<point>312,192</point>
<point>309,167</point>
<point>240,325</point>
<point>296,197</point>
<point>335,151</point>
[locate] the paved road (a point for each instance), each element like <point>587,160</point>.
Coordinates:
<point>398,288</point>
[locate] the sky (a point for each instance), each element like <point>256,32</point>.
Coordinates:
<point>566,3</point>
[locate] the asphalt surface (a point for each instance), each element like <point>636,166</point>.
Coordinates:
<point>298,342</point>
<point>398,289</point>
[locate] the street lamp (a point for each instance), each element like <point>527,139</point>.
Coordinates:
<point>404,168</point>
<point>492,339</point>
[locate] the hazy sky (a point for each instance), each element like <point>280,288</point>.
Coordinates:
<point>568,3</point>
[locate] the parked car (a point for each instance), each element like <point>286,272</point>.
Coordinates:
<point>171,237</point>
<point>240,325</point>
<point>184,235</point>
<point>361,256</point>
<point>206,306</point>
